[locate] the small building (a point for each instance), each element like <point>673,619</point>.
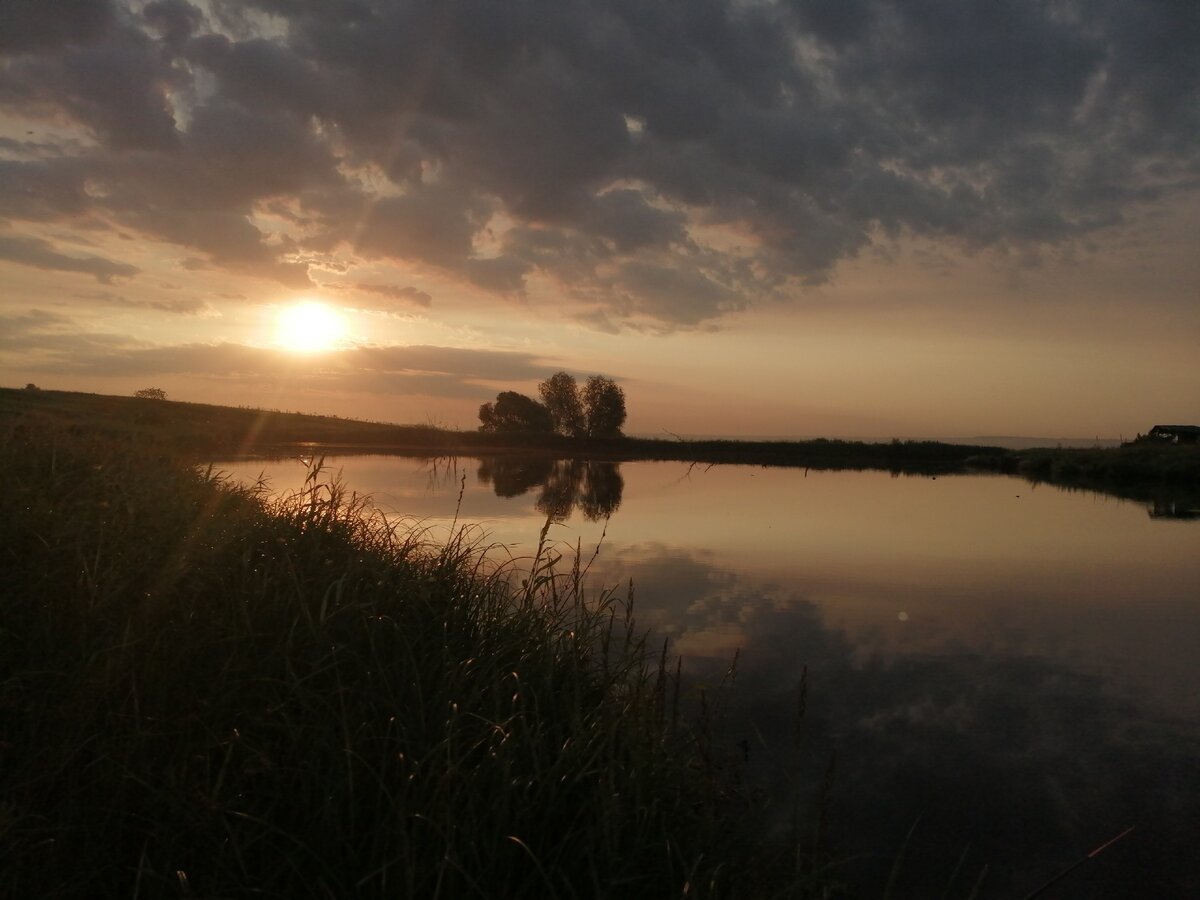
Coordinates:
<point>1175,434</point>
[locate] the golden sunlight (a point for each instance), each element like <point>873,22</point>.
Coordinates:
<point>309,327</point>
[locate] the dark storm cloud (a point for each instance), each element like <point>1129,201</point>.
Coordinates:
<point>663,163</point>
<point>40,254</point>
<point>174,20</point>
<point>263,74</point>
<point>630,223</point>
<point>27,25</point>
<point>116,87</point>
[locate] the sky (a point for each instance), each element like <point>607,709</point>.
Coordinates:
<point>850,218</point>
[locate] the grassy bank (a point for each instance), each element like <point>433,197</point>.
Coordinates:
<point>201,428</point>
<point>203,694</point>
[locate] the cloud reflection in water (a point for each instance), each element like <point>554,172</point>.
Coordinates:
<point>1017,761</point>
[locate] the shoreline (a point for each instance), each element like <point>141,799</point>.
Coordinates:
<point>1138,470</point>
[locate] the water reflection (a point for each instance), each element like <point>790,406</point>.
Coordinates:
<point>594,487</point>
<point>1012,665</point>
<point>1016,763</point>
<point>1162,501</point>
<point>1174,508</point>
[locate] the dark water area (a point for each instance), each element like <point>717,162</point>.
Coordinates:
<point>1000,677</point>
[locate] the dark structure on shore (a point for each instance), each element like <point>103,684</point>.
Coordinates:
<point>1175,434</point>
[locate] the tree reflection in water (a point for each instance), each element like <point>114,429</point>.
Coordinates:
<point>593,486</point>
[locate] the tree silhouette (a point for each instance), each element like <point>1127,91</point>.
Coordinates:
<point>596,410</point>
<point>513,412</point>
<point>151,394</point>
<point>604,406</point>
<point>560,394</point>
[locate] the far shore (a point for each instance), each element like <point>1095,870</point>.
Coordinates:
<point>1142,470</point>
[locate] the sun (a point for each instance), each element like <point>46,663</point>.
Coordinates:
<point>309,327</point>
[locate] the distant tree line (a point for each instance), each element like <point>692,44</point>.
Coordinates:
<point>597,409</point>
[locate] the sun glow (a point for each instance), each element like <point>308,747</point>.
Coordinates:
<point>309,327</point>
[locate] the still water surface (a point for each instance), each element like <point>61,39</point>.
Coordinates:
<point>1014,669</point>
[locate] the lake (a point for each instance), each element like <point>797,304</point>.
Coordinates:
<point>1000,676</point>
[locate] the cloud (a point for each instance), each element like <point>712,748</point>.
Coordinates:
<point>18,328</point>
<point>660,165</point>
<point>481,365</point>
<point>53,338</point>
<point>684,294</point>
<point>404,297</point>
<point>187,307</point>
<point>32,25</point>
<point>43,190</point>
<point>438,226</point>
<point>174,20</point>
<point>428,223</point>
<point>116,87</point>
<point>40,254</point>
<point>630,222</point>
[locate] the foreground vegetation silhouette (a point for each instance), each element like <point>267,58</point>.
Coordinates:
<point>209,694</point>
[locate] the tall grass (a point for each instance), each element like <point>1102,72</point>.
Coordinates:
<point>203,693</point>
